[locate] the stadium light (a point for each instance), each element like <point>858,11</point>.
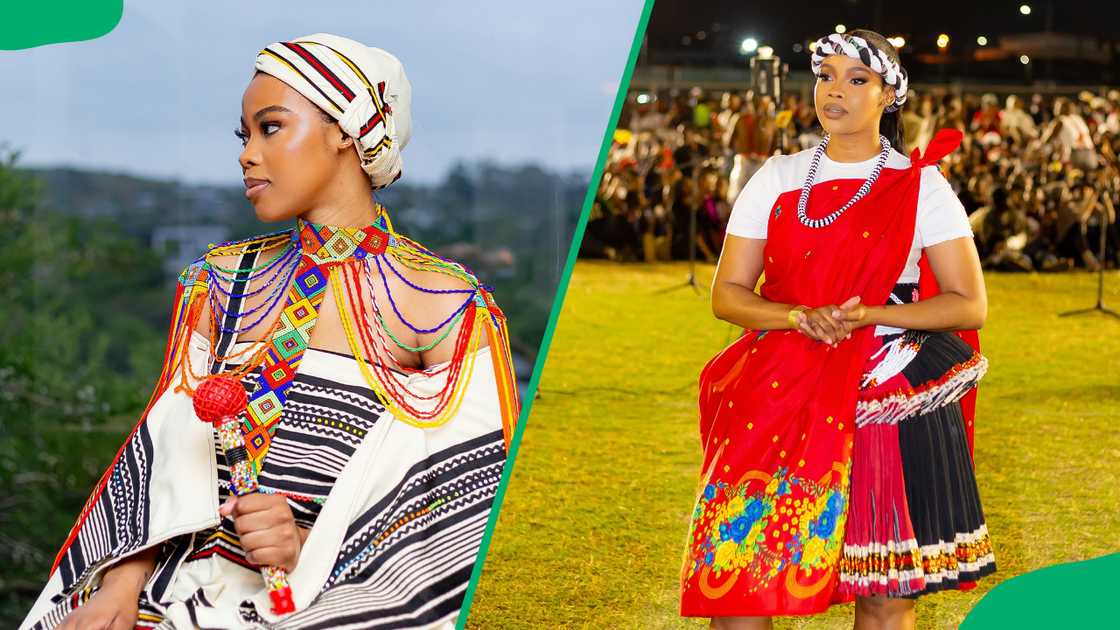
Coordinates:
<point>812,46</point>
<point>1025,9</point>
<point>748,46</point>
<point>1023,59</point>
<point>897,41</point>
<point>642,99</point>
<point>943,41</point>
<point>982,41</point>
<point>840,28</point>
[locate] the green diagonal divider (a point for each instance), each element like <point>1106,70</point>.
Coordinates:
<point>557,306</point>
<point>30,23</point>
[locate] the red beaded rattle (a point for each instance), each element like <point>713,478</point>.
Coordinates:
<point>218,400</point>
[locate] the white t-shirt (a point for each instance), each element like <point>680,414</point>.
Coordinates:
<point>941,216</point>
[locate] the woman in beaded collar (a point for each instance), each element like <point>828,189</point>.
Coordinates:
<point>390,413</point>
<point>781,524</point>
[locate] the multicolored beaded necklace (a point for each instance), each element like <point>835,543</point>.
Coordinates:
<point>316,255</point>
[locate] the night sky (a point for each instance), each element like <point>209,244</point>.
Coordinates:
<point>724,24</point>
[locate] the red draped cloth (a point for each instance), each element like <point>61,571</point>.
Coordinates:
<point>777,409</point>
<point>927,288</point>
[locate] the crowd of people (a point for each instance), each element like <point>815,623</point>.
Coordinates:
<point>1038,176</point>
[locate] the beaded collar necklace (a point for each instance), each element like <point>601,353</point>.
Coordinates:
<point>332,244</point>
<point>317,257</point>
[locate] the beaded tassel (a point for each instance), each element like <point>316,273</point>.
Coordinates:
<point>218,401</point>
<point>900,352</point>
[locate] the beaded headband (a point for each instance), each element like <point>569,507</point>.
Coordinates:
<point>867,53</point>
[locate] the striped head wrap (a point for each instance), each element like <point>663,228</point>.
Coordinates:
<point>867,53</point>
<point>362,87</point>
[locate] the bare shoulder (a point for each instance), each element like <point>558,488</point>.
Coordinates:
<point>424,268</point>
<point>440,293</point>
<point>451,279</point>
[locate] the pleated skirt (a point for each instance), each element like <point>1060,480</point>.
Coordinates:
<point>915,523</point>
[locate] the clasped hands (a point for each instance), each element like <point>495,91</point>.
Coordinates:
<point>832,323</point>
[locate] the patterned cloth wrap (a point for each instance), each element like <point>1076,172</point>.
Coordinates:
<point>393,544</point>
<point>778,411</point>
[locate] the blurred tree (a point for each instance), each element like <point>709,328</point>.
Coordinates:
<point>85,311</point>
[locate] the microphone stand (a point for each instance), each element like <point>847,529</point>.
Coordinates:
<point>1100,278</point>
<point>690,281</point>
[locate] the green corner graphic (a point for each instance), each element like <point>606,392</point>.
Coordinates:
<point>29,24</point>
<point>1068,595</point>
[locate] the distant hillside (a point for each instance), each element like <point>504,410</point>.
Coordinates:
<point>510,225</point>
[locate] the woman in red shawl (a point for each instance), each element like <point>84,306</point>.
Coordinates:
<point>837,430</point>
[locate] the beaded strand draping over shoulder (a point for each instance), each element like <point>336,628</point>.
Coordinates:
<point>306,260</point>
<point>803,200</point>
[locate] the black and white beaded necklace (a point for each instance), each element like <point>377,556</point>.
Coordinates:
<point>814,164</point>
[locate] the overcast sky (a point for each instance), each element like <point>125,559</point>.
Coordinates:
<point>160,95</point>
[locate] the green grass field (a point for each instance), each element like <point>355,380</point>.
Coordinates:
<point>593,526</point>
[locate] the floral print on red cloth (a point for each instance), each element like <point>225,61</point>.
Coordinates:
<point>763,523</point>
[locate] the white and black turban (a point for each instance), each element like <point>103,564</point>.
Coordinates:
<point>362,87</point>
<point>867,53</point>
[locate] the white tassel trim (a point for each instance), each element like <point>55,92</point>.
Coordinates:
<point>895,407</point>
<point>860,584</point>
<point>900,352</point>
